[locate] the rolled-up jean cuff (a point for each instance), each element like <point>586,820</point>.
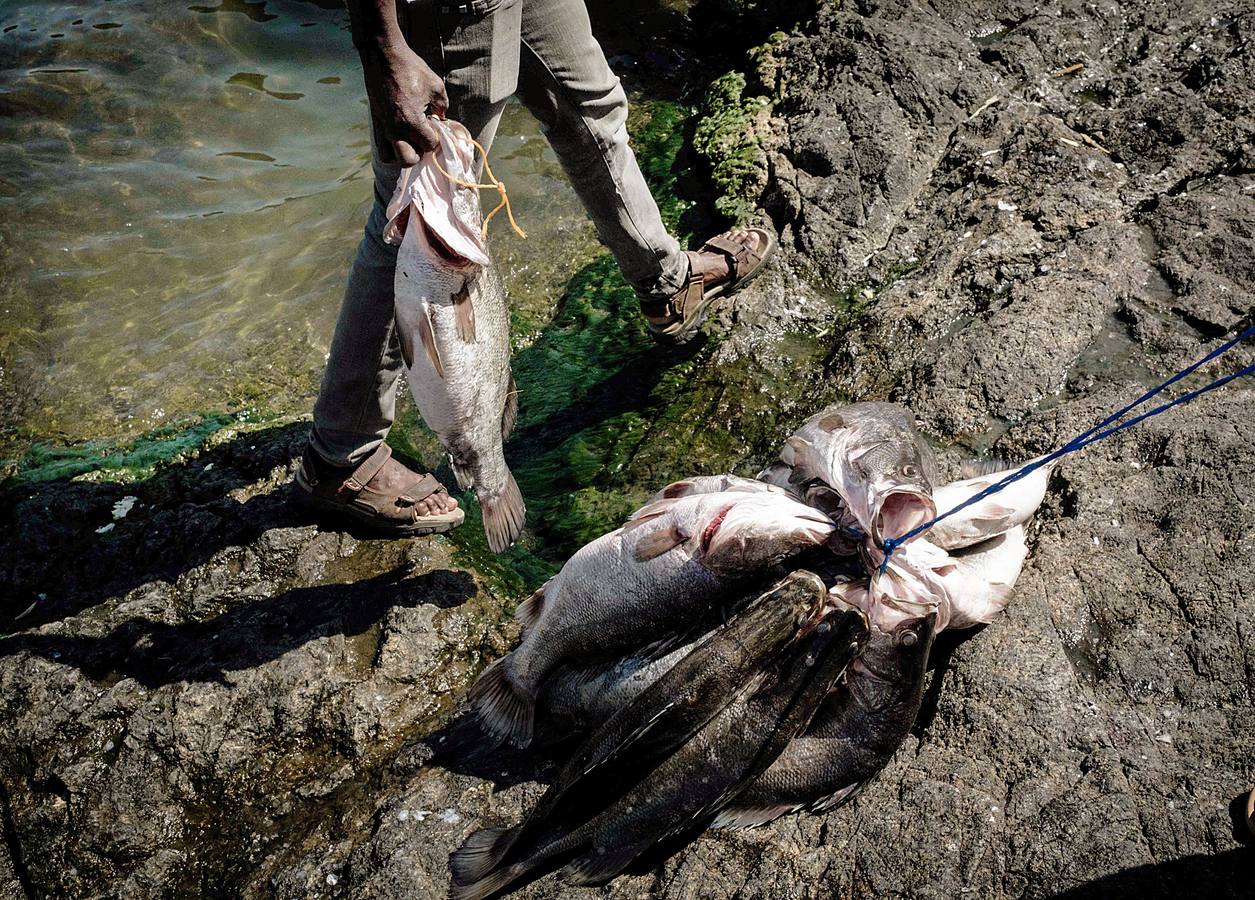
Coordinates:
<point>675,274</point>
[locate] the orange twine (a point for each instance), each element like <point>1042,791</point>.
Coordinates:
<point>496,183</point>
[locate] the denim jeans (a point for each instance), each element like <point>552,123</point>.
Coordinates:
<point>543,52</point>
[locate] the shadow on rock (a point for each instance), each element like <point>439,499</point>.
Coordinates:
<point>69,551</point>
<point>155,653</point>
<point>462,746</point>
<point>1221,875</point>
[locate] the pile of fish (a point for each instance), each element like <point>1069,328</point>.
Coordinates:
<point>740,649</point>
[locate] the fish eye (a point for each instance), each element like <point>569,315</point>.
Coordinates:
<point>910,471</point>
<point>909,639</point>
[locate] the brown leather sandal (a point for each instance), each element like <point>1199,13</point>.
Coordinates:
<point>381,493</point>
<point>677,319</point>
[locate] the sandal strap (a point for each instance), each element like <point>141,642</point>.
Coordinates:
<point>367,470</point>
<point>741,258</point>
<point>419,490</point>
<point>675,307</point>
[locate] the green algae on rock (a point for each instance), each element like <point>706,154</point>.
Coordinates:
<point>726,139</point>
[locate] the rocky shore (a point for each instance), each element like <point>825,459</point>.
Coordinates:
<point>1012,218</point>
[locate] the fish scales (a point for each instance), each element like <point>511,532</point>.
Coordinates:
<point>688,787</point>
<point>855,733</point>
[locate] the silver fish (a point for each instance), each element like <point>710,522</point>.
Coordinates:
<point>646,580</point>
<point>454,327</point>
<point>1013,505</point>
<point>872,455</point>
<point>713,484</point>
<point>853,736</point>
<point>680,795</point>
<point>983,576</point>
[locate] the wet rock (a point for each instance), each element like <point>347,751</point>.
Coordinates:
<point>219,695</point>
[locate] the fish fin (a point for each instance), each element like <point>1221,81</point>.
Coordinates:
<point>985,465</point>
<point>838,798</point>
<point>464,313</point>
<point>737,817</point>
<point>528,612</point>
<point>503,516</point>
<point>777,475</point>
<point>831,422</point>
<point>427,337</point>
<point>602,864</point>
<point>503,710</point>
<point>485,887</point>
<point>480,853</point>
<point>510,414</point>
<point>677,489</point>
<point>463,474</point>
<point>406,339</point>
<point>794,449</point>
<point>653,509</point>
<point>659,542</point>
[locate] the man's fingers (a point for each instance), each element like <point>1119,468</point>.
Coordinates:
<point>428,137</point>
<point>406,154</point>
<point>439,103</point>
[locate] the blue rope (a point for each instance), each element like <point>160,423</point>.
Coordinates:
<point>1102,430</point>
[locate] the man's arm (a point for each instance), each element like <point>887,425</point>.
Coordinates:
<point>402,88</point>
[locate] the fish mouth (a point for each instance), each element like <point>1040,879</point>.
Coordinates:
<point>901,510</point>
<point>441,249</point>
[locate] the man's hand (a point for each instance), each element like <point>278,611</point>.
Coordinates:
<point>403,90</point>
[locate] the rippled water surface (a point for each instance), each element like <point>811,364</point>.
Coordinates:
<point>181,189</point>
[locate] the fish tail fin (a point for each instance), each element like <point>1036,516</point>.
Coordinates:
<point>480,853</point>
<point>528,612</point>
<point>503,516</point>
<point>484,887</point>
<point>510,414</point>
<point>601,865</point>
<point>503,709</point>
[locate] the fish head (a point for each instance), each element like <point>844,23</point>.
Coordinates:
<point>874,459</point>
<point>915,582</point>
<point>438,201</point>
<point>899,654</point>
<point>740,533</point>
<point>793,606</point>
<point>890,482</point>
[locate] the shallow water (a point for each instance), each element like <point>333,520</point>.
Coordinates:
<point>181,190</point>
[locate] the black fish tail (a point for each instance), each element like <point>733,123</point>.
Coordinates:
<point>480,853</point>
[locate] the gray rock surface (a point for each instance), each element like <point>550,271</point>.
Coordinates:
<point>217,697</point>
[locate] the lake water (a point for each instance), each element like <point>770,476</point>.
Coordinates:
<point>181,190</point>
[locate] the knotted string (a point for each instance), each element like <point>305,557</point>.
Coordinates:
<point>495,183</point>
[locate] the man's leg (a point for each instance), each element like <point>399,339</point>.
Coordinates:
<point>567,84</point>
<point>357,400</point>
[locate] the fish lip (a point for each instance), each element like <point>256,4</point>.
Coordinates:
<point>883,498</point>
<point>712,528</point>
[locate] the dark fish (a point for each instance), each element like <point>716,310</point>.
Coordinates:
<point>853,736</point>
<point>670,759</point>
